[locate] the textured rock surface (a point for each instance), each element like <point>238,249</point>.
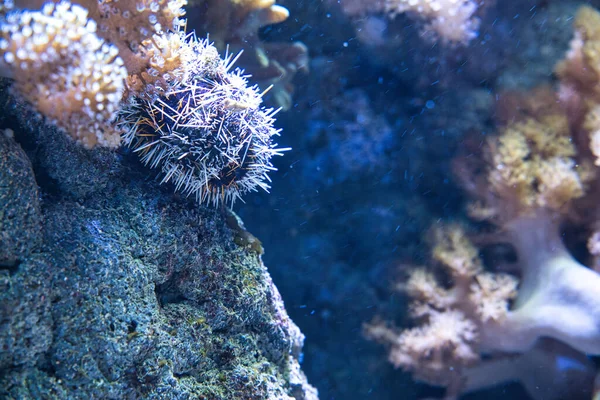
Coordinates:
<point>134,293</point>
<point>20,215</point>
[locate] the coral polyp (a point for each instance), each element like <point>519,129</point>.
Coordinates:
<point>209,134</point>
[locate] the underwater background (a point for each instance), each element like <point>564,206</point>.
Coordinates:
<point>374,128</point>
<point>124,276</point>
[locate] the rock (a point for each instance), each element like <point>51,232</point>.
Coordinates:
<point>20,214</point>
<point>135,292</point>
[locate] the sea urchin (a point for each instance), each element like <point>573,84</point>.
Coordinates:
<point>208,133</point>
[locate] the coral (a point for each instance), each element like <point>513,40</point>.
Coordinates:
<point>529,179</point>
<point>532,165</point>
<point>209,135</point>
<point>73,64</point>
<point>146,33</point>
<point>555,299</point>
<point>593,247</point>
<point>579,75</point>
<point>560,372</point>
<point>532,177</point>
<point>452,21</point>
<point>238,19</point>
<point>513,106</point>
<point>360,7</point>
<point>234,25</point>
<point>149,40</point>
<point>581,67</point>
<point>65,70</point>
<point>275,65</point>
<point>453,319</point>
<point>161,65</point>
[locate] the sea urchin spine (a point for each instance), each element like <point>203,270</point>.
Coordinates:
<point>208,134</point>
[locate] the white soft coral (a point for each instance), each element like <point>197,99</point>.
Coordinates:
<point>558,297</point>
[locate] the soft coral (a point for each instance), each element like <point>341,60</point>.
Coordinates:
<point>531,178</point>
<point>558,297</point>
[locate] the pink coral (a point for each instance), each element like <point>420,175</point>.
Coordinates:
<point>452,319</point>
<point>75,63</point>
<point>70,74</point>
<point>529,180</point>
<point>555,297</point>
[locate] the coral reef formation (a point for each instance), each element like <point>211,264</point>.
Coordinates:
<point>117,288</point>
<point>472,318</point>
<point>453,21</point>
<point>125,291</point>
<point>362,219</point>
<point>76,62</point>
<point>168,94</point>
<point>454,317</point>
<point>65,70</point>
<point>529,181</point>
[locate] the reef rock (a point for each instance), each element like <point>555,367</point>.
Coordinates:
<point>132,291</point>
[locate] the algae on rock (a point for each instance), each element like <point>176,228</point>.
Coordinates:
<point>128,291</point>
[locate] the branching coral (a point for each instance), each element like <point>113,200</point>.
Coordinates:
<point>580,70</point>
<point>454,319</point>
<point>556,298</point>
<point>65,70</point>
<point>579,75</point>
<point>146,34</point>
<point>148,39</point>
<point>531,167</point>
<point>534,176</point>
<point>75,64</point>
<point>527,182</point>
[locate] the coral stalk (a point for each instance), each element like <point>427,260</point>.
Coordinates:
<point>558,296</point>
